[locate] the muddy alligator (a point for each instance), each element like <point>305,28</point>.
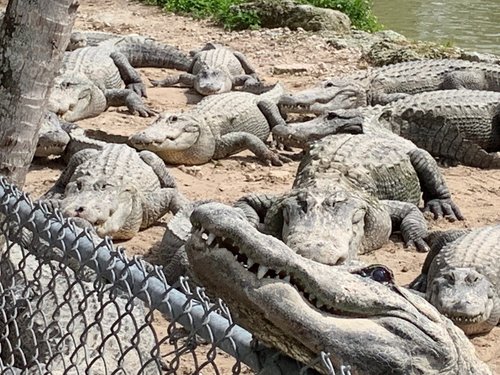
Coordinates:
<point>350,193</point>
<point>359,316</point>
<point>461,277</point>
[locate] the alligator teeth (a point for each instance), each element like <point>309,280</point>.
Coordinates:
<point>250,262</point>
<point>319,304</point>
<point>204,236</point>
<point>262,271</point>
<point>287,278</point>
<point>210,239</point>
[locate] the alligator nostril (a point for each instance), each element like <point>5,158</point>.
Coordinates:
<point>79,209</point>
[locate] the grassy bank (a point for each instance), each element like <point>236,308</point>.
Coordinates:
<point>359,11</point>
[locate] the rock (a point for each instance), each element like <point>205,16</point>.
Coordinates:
<point>291,68</point>
<point>288,14</point>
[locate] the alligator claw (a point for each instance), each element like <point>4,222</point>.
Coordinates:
<point>138,88</point>
<point>419,244</point>
<point>444,208</point>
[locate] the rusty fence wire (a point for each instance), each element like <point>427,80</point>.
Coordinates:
<point>72,303</point>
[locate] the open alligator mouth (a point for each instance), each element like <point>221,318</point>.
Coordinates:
<point>264,273</point>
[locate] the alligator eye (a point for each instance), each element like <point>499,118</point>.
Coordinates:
<point>332,116</point>
<point>471,279</point>
<point>329,84</point>
<point>449,277</point>
<point>382,275</point>
<point>173,118</point>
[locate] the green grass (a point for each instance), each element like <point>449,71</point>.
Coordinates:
<point>359,11</point>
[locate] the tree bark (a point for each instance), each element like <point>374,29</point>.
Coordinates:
<point>33,37</point>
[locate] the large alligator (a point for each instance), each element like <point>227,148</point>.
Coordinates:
<point>454,125</point>
<point>117,189</point>
<point>392,82</point>
<point>461,277</point>
<point>215,69</point>
<point>350,193</point>
<point>359,316</point>
<point>218,126</point>
<point>93,78</point>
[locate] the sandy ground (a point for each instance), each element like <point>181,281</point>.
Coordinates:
<point>476,191</point>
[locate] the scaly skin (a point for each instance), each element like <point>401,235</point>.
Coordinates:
<point>218,126</point>
<point>93,78</point>
<point>461,278</point>
<point>52,139</point>
<point>215,69</point>
<point>302,307</point>
<point>116,189</point>
<point>350,193</point>
<point>392,82</point>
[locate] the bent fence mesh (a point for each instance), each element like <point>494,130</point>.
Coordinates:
<point>71,303</point>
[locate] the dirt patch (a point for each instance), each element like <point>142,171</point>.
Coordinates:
<point>476,191</point>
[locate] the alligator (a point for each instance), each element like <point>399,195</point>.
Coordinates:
<point>456,126</point>
<point>215,69</point>
<point>349,193</point>
<point>392,82</point>
<point>54,321</point>
<point>117,189</point>
<point>461,277</point>
<point>357,315</point>
<point>218,126</point>
<point>92,78</point>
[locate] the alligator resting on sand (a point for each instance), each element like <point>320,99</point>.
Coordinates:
<point>453,125</point>
<point>218,126</point>
<point>215,69</point>
<point>392,82</point>
<point>303,307</point>
<point>461,277</point>
<point>350,193</point>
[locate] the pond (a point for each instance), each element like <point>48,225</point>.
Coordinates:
<point>470,24</point>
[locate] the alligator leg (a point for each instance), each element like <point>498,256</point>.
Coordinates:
<point>271,112</point>
<point>129,75</point>
<point>437,197</point>
<point>160,202</point>
<point>255,207</point>
<point>134,103</point>
<point>233,143</point>
<point>437,241</point>
<point>410,221</point>
<point>464,80</point>
<point>184,79</point>
<point>78,158</point>
<point>244,63</point>
<point>159,167</point>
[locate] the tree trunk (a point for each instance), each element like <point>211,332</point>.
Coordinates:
<point>33,37</point>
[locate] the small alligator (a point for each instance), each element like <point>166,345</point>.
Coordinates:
<point>117,189</point>
<point>392,82</point>
<point>461,277</point>
<point>454,125</point>
<point>218,126</point>
<point>350,193</point>
<point>215,69</point>
<point>93,78</point>
<point>359,316</point>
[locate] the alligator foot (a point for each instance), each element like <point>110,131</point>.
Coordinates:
<point>444,208</point>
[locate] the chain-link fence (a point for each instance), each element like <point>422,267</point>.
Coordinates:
<point>71,303</point>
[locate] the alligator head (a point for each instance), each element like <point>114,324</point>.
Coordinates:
<point>327,96</point>
<point>212,80</point>
<point>52,138</point>
<point>303,307</point>
<point>177,138</point>
<point>333,122</point>
<point>112,207</point>
<point>467,297</point>
<point>74,97</point>
<point>77,40</point>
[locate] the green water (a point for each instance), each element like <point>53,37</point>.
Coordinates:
<point>470,24</point>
